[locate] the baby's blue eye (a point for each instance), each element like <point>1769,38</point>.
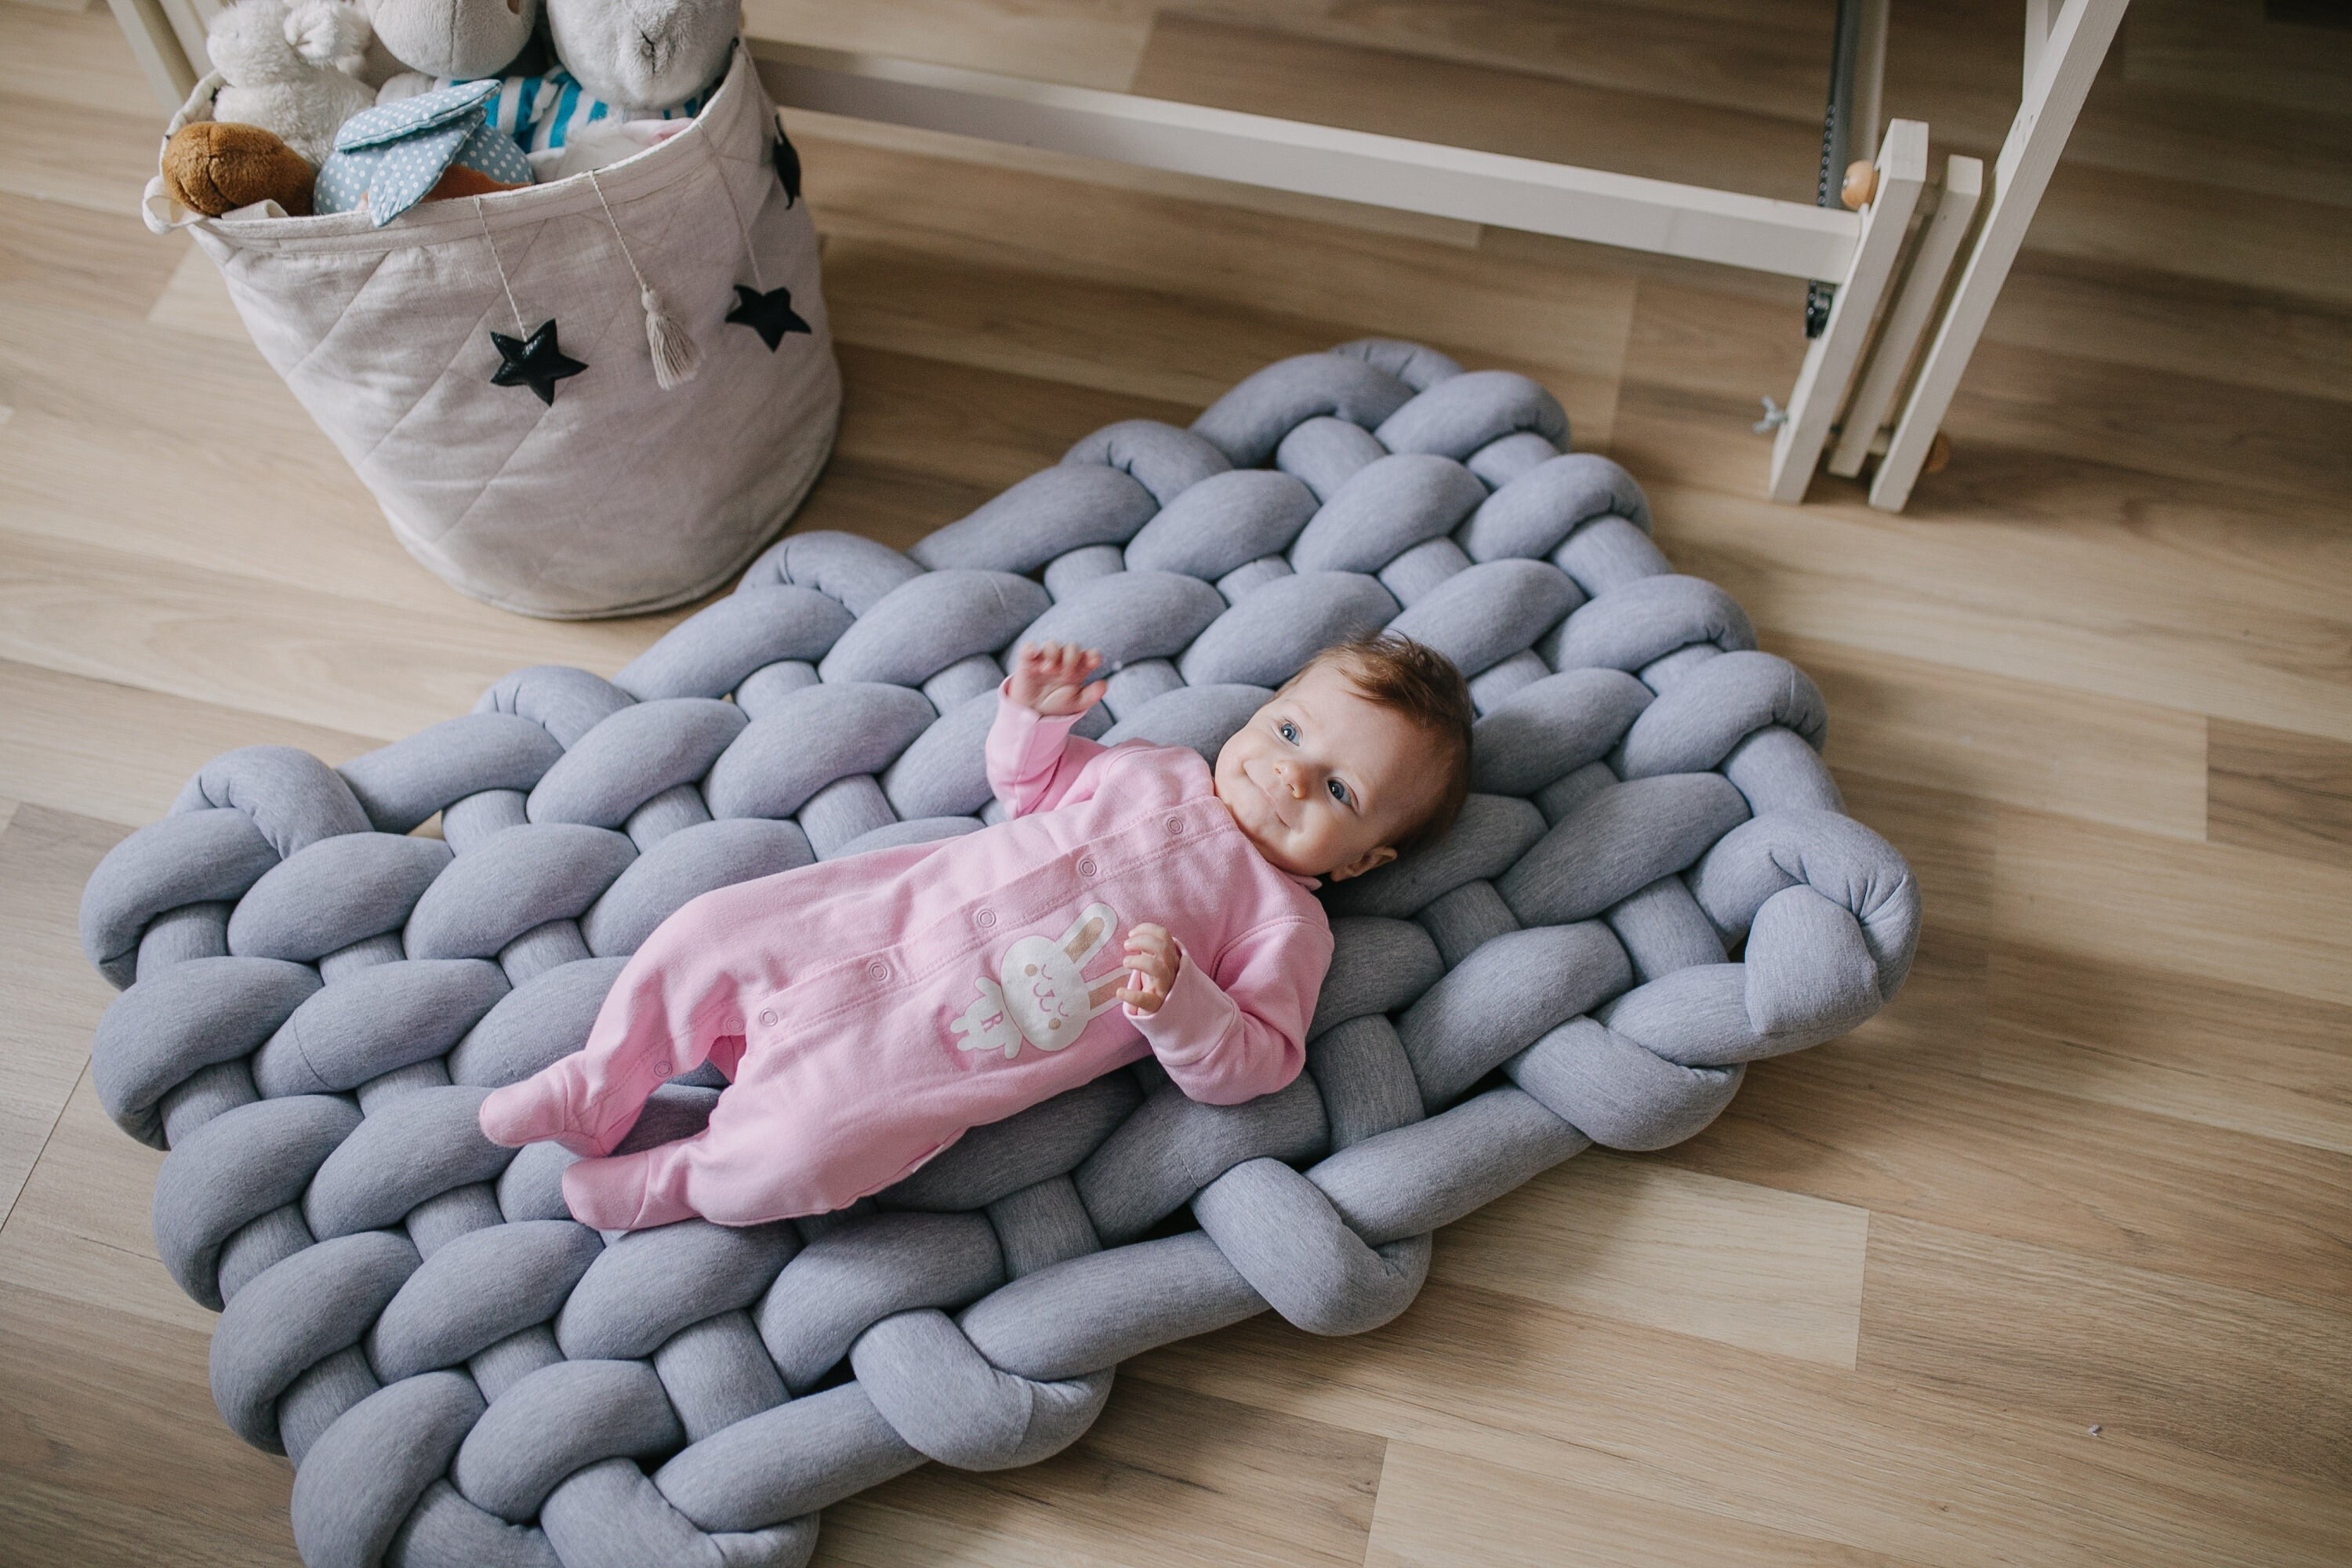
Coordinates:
<point>1288,731</point>
<point>1339,792</point>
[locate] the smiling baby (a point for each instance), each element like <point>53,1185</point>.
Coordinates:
<point>868,1011</point>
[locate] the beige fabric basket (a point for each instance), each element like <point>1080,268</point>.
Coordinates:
<point>620,497</point>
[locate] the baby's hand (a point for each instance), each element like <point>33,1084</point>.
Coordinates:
<point>1152,960</point>
<point>1051,678</point>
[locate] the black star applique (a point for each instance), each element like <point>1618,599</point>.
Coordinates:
<point>788,167</point>
<point>534,361</point>
<point>769,314</point>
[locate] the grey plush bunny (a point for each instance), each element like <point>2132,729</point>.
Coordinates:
<point>644,54</point>
<point>460,40</point>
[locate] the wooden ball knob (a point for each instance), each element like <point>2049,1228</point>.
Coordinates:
<point>1939,452</point>
<point>1861,185</point>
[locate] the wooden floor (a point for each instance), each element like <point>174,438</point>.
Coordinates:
<point>2051,1264</point>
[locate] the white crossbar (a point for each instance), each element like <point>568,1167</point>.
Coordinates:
<point>1592,204</point>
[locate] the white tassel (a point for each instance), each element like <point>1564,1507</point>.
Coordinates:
<point>677,356</point>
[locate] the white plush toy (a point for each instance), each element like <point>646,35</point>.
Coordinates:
<point>620,64</point>
<point>288,69</point>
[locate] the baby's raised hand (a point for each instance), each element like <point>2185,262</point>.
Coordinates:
<point>1051,678</point>
<point>1151,961</point>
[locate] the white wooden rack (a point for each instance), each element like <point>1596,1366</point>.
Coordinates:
<point>1916,269</point>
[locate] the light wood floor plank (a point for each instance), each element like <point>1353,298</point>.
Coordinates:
<point>1145,343</point>
<point>969,425</point>
<point>1646,1243</point>
<point>95,155</point>
<point>1946,1135</point>
<point>1525,113</point>
<point>2213,47</point>
<point>61,1527</point>
<point>54,996</point>
<point>2285,793</point>
<point>1081,43</point>
<point>2236,1057</point>
<point>1876,1463</point>
<point>119,753</point>
<point>310,657</point>
<point>1439,1510</point>
<point>2209,909</point>
<point>79,1231</point>
<point>1764,58</point>
<point>2183,426</point>
<point>889,504</point>
<point>2137,1353</point>
<point>71,54</point>
<point>1470,301</point>
<point>2145,319</point>
<point>1959,67</point>
<point>2016,742</point>
<point>2228,429</point>
<point>120,269</point>
<point>2258,238</point>
<point>187,426</point>
<point>871,134</point>
<point>196,299</point>
<point>1947,837</point>
<point>1164,1476</point>
<point>2154,622</point>
<point>117,1410</point>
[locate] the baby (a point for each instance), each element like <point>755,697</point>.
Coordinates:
<point>868,1011</point>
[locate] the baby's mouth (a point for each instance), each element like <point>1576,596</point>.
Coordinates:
<point>1273,800</point>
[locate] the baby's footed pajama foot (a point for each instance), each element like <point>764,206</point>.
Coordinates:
<point>554,1103</point>
<point>620,1193</point>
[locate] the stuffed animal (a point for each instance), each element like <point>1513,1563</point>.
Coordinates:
<point>447,40</point>
<point>215,166</point>
<point>287,70</point>
<point>645,56</point>
<point>619,62</point>
<point>432,147</point>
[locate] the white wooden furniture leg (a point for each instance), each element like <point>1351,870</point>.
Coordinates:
<point>2078,44</point>
<point>2038,16</point>
<point>156,47</point>
<point>189,20</point>
<point>1829,362</point>
<point>1915,305</point>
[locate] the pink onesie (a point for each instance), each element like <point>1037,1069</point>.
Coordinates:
<point>869,1010</point>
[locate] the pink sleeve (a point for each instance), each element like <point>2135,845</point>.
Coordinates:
<point>1241,1032</point>
<point>1034,761</point>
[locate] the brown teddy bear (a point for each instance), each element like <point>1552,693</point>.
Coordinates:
<point>215,166</point>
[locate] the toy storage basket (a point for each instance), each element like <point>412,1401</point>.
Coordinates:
<point>618,496</point>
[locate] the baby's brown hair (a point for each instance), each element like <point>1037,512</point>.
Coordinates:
<point>1422,684</point>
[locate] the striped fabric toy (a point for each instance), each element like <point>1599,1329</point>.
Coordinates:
<point>541,111</point>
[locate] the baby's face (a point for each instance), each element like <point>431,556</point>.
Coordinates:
<point>1322,779</point>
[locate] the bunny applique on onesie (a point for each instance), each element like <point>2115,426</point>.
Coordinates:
<point>868,1011</point>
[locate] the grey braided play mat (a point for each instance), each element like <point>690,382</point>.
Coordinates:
<point>1652,884</point>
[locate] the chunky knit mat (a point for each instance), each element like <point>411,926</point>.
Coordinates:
<point>1653,885</point>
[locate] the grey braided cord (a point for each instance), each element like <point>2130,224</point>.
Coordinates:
<point>1653,885</point>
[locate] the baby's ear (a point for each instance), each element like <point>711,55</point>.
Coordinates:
<point>1369,860</point>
